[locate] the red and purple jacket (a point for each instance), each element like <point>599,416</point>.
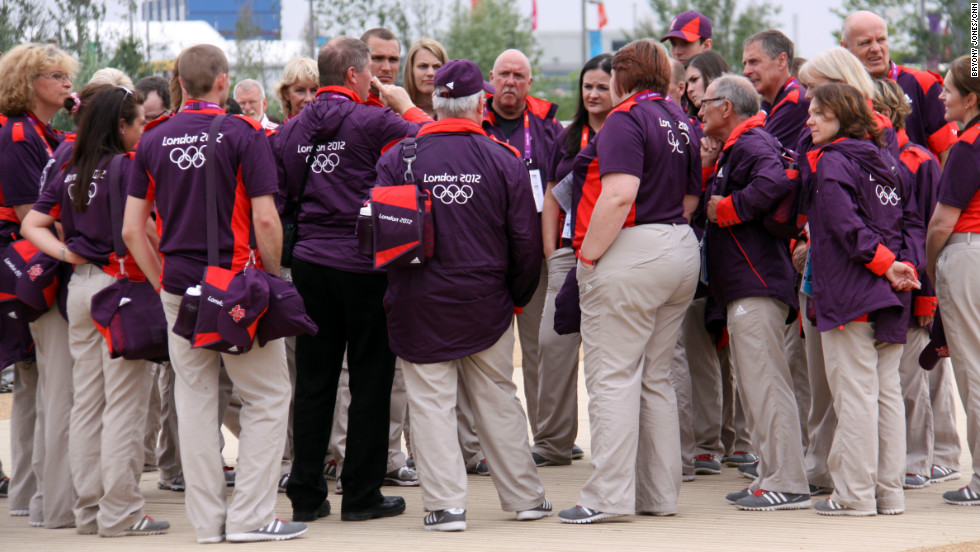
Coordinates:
<point>926,124</point>
<point>786,117</point>
<point>922,168</point>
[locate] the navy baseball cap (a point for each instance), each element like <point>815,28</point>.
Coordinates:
<point>461,78</point>
<point>689,26</point>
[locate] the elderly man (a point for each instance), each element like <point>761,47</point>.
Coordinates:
<point>767,57</point>
<point>250,95</point>
<point>527,124</point>
<point>386,53</point>
<point>752,277</point>
<point>450,320</point>
<point>865,34</point>
<point>689,35</point>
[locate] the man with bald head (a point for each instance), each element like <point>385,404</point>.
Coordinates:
<point>865,34</point>
<point>527,124</point>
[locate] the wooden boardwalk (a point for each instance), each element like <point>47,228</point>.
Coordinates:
<point>705,521</point>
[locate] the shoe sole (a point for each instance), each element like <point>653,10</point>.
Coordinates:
<point>363,516</point>
<point>531,515</point>
<point>170,488</point>
<point>707,471</point>
<point>136,533</point>
<point>950,477</point>
<point>822,491</point>
<point>847,513</point>
<point>962,502</point>
<point>748,475</point>
<point>578,456</point>
<point>253,537</point>
<point>211,540</point>
<point>891,511</point>
<point>908,486</point>
<point>591,519</point>
<point>400,483</point>
<point>773,507</point>
<point>687,478</point>
<point>448,526</point>
<point>20,513</point>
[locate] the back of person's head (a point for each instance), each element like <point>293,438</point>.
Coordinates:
<point>710,64</point>
<point>641,65</point>
<point>338,55</point>
<point>155,83</point>
<point>232,107</point>
<point>677,73</point>
<point>199,67</point>
<point>21,66</point>
<point>111,76</point>
<point>430,45</point>
<point>773,43</point>
<point>851,108</point>
<point>176,90</point>
<point>964,80</point>
<point>99,134</point>
<point>740,92</point>
<point>794,69</point>
<point>890,99</point>
<point>838,65</point>
<point>378,32</point>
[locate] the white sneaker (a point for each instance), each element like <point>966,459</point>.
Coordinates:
<point>276,530</point>
<point>543,510</point>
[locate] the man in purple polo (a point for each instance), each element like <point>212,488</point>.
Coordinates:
<point>751,276</point>
<point>169,172</point>
<point>450,320</point>
<point>865,34</point>
<point>689,35</point>
<point>330,150</point>
<point>767,57</point>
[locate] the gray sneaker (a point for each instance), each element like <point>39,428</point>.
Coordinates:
<point>276,530</point>
<point>831,507</point>
<point>481,468</point>
<point>542,510</point>
<point>765,501</point>
<point>732,498</point>
<point>915,481</point>
<point>402,477</point>
<point>144,527</point>
<point>229,476</point>
<point>962,497</point>
<point>581,515</point>
<point>175,483</point>
<point>707,464</point>
<point>942,473</point>
<point>577,452</point>
<point>750,471</point>
<point>738,458</point>
<point>453,519</point>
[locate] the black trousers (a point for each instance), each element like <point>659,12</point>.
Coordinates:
<point>347,307</point>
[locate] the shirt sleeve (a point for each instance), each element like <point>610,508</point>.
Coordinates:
<point>621,149</point>
<point>765,180</point>
<point>22,172</point>
<point>961,177</point>
<point>257,166</point>
<point>50,199</point>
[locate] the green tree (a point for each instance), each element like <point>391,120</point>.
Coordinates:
<point>730,26</point>
<point>249,63</point>
<point>22,21</point>
<point>481,34</point>
<point>129,58</point>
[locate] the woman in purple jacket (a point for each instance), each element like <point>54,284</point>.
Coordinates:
<point>856,218</point>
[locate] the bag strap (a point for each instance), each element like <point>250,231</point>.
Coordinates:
<point>408,156</point>
<point>116,206</point>
<point>211,192</point>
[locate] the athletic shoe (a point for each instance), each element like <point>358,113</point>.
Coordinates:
<point>283,481</point>
<point>330,470</point>
<point>732,498</point>
<point>410,461</point>
<point>962,497</point>
<point>687,477</point>
<point>402,477</point>
<point>750,471</point>
<point>915,481</point>
<point>942,473</point>
<point>481,468</point>
<point>816,490</point>
<point>229,476</point>
<point>831,508</point>
<point>144,527</point>
<point>738,458</point>
<point>581,514</point>
<point>891,511</point>
<point>340,488</point>
<point>175,483</point>
<point>707,464</point>
<point>276,530</point>
<point>540,461</point>
<point>211,540</point>
<point>577,452</point>
<point>4,486</point>
<point>20,513</point>
<point>542,510</point>
<point>36,523</point>
<point>313,515</point>
<point>453,519</point>
<point>766,501</point>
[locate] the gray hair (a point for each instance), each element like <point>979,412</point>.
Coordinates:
<point>448,108</point>
<point>773,43</point>
<point>248,84</point>
<point>739,91</point>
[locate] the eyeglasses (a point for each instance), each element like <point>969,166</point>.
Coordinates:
<point>62,77</point>
<point>703,100</point>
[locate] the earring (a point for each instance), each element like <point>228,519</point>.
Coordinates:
<point>122,132</point>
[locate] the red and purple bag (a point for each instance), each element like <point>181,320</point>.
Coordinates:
<point>20,262</point>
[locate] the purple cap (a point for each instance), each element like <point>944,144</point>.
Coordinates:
<point>245,301</point>
<point>689,26</point>
<point>461,78</point>
<point>286,316</point>
<point>38,286</point>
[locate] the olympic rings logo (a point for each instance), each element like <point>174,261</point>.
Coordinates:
<point>453,193</point>
<point>191,157</point>
<point>92,190</point>
<point>887,195</point>
<point>324,163</point>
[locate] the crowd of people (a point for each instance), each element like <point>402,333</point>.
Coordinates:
<point>754,267</point>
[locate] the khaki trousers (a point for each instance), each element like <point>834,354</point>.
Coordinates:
<point>54,495</point>
<point>633,302</point>
<point>500,425</point>
<point>557,400</point>
<point>735,434</point>
<point>262,381</point>
<point>796,358</point>
<point>959,300</point>
<point>704,370</point>
<point>168,448</point>
<point>946,439</point>
<point>680,380</point>
<point>822,421</point>
<point>151,432</point>
<point>756,327</point>
<point>867,458</point>
<point>528,330</point>
<point>108,418</point>
<point>23,483</point>
<point>918,409</point>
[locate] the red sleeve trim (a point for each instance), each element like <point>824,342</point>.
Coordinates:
<point>942,139</point>
<point>924,306</point>
<point>252,122</point>
<point>706,173</point>
<point>17,132</point>
<point>391,144</point>
<point>416,115</point>
<point>882,260</point>
<point>726,213</point>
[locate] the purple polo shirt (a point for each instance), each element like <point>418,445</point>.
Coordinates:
<point>26,147</point>
<point>169,169</point>
<point>487,245</point>
<point>351,137</point>
<point>787,115</point>
<point>926,124</point>
<point>960,186</point>
<point>543,129</point>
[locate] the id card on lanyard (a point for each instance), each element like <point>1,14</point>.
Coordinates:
<point>537,184</point>
<point>566,231</point>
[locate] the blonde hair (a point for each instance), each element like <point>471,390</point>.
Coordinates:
<point>110,76</point>
<point>21,66</point>
<point>298,69</point>
<point>838,65</point>
<point>434,48</point>
<point>888,94</point>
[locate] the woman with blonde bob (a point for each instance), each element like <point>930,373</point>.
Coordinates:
<point>300,80</point>
<point>425,57</point>
<point>37,80</point>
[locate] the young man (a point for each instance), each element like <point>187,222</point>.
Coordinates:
<point>689,35</point>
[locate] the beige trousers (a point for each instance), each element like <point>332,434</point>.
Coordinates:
<point>108,418</point>
<point>680,380</point>
<point>633,302</point>
<point>756,326</point>
<point>867,458</point>
<point>151,431</point>
<point>262,381</point>
<point>528,330</point>
<point>822,421</point>
<point>959,301</point>
<point>168,448</point>
<point>735,429</point>
<point>918,409</point>
<point>500,425</point>
<point>946,443</point>
<point>704,369</point>
<point>23,416</point>
<point>796,358</point>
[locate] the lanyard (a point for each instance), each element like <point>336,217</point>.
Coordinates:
<point>201,104</point>
<point>648,95</point>
<point>893,72</point>
<point>585,136</point>
<point>527,139</point>
<point>41,132</point>
<point>791,83</point>
<point>335,96</point>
